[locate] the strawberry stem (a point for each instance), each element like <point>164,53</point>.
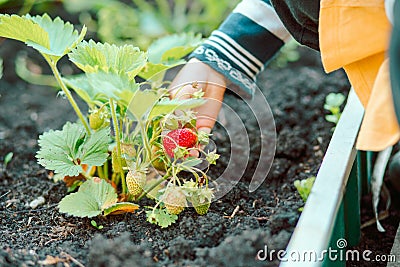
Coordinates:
<point>118,140</point>
<point>53,66</point>
<point>165,177</point>
<point>143,130</point>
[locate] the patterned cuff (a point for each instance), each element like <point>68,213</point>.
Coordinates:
<point>244,43</point>
<point>241,83</point>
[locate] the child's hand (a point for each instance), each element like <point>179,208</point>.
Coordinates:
<point>213,85</point>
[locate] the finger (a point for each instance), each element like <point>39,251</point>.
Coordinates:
<point>182,87</point>
<point>196,75</point>
<point>208,112</point>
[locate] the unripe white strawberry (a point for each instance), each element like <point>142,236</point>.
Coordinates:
<point>174,200</point>
<point>135,181</point>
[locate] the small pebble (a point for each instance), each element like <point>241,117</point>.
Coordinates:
<point>37,202</point>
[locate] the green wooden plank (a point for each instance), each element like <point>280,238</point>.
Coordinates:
<point>363,172</point>
<point>335,256</point>
<point>352,209</point>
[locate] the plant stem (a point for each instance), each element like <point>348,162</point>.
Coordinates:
<point>145,141</point>
<point>100,172</point>
<point>118,140</point>
<point>105,169</point>
<point>53,66</point>
<point>154,186</point>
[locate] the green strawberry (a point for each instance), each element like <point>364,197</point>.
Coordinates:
<point>95,120</point>
<point>174,200</point>
<point>203,208</point>
<point>135,181</point>
<point>201,200</point>
<point>98,119</point>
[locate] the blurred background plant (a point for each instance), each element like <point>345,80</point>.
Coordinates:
<point>135,22</point>
<point>288,53</point>
<point>140,22</point>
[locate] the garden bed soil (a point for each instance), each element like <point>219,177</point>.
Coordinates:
<point>265,217</point>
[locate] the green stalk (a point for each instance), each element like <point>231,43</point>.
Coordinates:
<point>145,141</point>
<point>154,186</point>
<point>53,66</point>
<point>105,169</point>
<point>100,172</point>
<point>118,140</point>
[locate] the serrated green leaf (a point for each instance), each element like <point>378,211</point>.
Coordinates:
<point>81,85</point>
<point>65,151</point>
<point>94,152</point>
<point>103,192</point>
<point>91,199</point>
<point>99,87</point>
<point>170,105</point>
<point>173,47</point>
<point>52,38</point>
<point>120,208</point>
<point>161,217</point>
<point>80,205</point>
<point>152,69</point>
<point>174,54</point>
<point>142,102</point>
<point>23,29</point>
<point>92,57</point>
<point>62,35</point>
<point>112,85</point>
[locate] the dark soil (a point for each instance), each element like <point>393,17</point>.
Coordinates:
<point>266,217</point>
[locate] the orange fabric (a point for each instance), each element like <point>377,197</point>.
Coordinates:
<point>354,34</point>
<point>379,124</point>
<point>362,75</point>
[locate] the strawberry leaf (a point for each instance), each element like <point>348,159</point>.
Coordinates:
<point>167,52</point>
<point>169,106</point>
<point>65,151</point>
<point>99,87</point>
<point>173,47</point>
<point>23,29</point>
<point>151,70</point>
<point>90,200</point>
<point>81,85</point>
<point>161,217</point>
<point>141,103</point>
<point>52,38</point>
<point>92,57</point>
<point>120,208</point>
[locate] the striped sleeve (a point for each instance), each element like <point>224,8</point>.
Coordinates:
<point>244,43</point>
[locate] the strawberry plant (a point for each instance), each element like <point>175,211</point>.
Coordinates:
<point>304,188</point>
<point>332,104</point>
<point>109,157</point>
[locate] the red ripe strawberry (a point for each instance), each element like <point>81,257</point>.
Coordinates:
<point>180,137</point>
